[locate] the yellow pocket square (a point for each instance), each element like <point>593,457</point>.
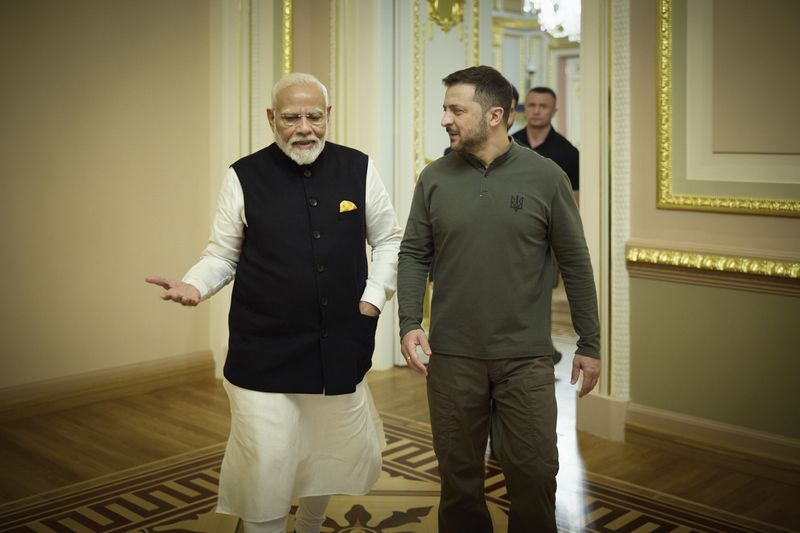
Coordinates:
<point>346,205</point>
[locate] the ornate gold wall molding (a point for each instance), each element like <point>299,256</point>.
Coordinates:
<point>287,63</point>
<point>719,263</point>
<point>446,13</point>
<point>667,199</point>
<point>476,41</point>
<point>745,273</point>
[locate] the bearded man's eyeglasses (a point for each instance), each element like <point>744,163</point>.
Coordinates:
<point>293,119</point>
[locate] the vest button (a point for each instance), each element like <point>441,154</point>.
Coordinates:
<point>316,234</point>
<point>323,301</point>
<point>320,267</point>
<point>307,173</point>
<point>313,202</point>
<point>324,333</point>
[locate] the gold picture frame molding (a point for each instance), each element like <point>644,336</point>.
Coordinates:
<point>666,198</point>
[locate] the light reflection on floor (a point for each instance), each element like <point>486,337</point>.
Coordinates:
<point>570,499</point>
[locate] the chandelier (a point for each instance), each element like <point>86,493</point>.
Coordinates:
<point>559,18</point>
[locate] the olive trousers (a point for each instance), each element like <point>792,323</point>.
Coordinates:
<point>516,399</point>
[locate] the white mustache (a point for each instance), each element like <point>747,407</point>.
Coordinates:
<point>304,138</point>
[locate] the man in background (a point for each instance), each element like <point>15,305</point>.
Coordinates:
<point>512,112</point>
<point>540,135</point>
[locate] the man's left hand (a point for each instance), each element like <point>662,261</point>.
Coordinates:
<point>366,308</point>
<point>591,371</point>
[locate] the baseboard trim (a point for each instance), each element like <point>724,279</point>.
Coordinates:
<point>601,415</point>
<point>71,391</point>
<point>755,452</point>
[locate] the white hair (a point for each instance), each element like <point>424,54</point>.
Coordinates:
<point>297,78</point>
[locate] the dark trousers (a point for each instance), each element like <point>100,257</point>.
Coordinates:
<point>516,399</point>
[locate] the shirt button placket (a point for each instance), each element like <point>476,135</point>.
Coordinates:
<point>319,266</point>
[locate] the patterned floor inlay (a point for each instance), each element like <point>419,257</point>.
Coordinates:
<point>178,495</point>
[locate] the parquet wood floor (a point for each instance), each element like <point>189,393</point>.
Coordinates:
<point>49,451</point>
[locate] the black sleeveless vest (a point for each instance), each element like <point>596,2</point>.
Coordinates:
<point>294,321</point>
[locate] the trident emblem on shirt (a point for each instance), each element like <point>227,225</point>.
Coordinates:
<point>516,203</point>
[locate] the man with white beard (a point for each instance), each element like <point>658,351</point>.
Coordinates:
<point>292,224</point>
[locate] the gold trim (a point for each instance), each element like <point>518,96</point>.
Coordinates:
<point>288,60</point>
<point>476,48</point>
<point>240,68</point>
<point>606,268</point>
<point>666,199</point>
<point>423,80</point>
<point>497,39</point>
<point>250,34</point>
<point>517,24</point>
<point>453,18</point>
<point>334,76</point>
<point>417,89</point>
<point>347,47</point>
<point>717,263</point>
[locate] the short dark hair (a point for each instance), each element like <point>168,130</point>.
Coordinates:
<point>514,95</point>
<point>544,90</point>
<point>491,88</point>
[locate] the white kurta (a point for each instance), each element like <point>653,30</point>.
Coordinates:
<point>287,446</point>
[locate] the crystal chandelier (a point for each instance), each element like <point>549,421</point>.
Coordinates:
<point>559,18</point>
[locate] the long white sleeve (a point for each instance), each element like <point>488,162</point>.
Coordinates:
<point>217,264</point>
<point>384,236</point>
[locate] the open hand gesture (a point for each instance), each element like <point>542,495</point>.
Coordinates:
<point>177,291</point>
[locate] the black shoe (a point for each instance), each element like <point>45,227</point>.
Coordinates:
<point>556,357</point>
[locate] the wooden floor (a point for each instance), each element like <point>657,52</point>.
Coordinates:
<point>53,450</point>
<point>49,451</point>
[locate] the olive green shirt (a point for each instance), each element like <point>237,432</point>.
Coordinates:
<point>490,233</point>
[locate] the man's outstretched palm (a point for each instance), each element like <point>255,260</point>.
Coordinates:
<point>177,291</point>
